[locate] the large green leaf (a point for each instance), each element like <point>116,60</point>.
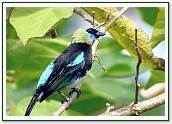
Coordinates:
<point>158,34</point>
<point>123,30</point>
<point>32,22</point>
<point>61,24</point>
<point>123,69</point>
<point>87,103</point>
<point>156,77</point>
<point>29,62</point>
<point>120,90</point>
<point>149,14</point>
<point>11,33</point>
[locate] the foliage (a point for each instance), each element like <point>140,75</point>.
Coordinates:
<point>32,22</point>
<point>149,14</point>
<point>124,32</point>
<point>28,62</point>
<point>156,77</point>
<point>158,34</point>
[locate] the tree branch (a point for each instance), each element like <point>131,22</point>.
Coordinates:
<point>65,105</point>
<point>153,90</point>
<point>142,107</point>
<point>116,17</point>
<point>96,42</point>
<point>137,68</point>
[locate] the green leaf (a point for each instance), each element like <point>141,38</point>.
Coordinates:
<point>108,45</point>
<point>109,53</point>
<point>89,98</point>
<point>119,90</point>
<point>149,14</point>
<point>123,69</point>
<point>124,33</point>
<point>61,25</point>
<point>28,62</point>
<point>11,33</point>
<point>26,66</point>
<point>158,34</point>
<point>156,77</point>
<point>32,22</point>
<point>158,111</point>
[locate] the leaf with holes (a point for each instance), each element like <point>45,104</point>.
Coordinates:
<point>123,30</point>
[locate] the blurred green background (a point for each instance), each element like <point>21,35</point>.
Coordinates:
<point>25,64</point>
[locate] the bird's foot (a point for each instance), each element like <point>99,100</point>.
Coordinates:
<point>66,100</point>
<point>68,103</point>
<point>78,91</point>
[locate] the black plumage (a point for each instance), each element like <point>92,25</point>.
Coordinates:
<point>61,63</point>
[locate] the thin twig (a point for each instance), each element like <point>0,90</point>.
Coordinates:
<point>94,23</point>
<point>137,68</point>
<point>100,63</point>
<point>142,107</point>
<point>116,17</point>
<point>96,42</point>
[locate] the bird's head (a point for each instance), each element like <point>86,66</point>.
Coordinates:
<point>86,35</point>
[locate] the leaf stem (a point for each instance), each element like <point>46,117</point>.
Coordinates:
<point>53,33</point>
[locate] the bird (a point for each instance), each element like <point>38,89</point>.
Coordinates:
<point>67,70</point>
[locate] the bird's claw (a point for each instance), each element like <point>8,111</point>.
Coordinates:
<point>68,103</point>
<point>78,91</point>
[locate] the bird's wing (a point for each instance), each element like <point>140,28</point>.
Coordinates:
<point>60,80</point>
<point>61,73</point>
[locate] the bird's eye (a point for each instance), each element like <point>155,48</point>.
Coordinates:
<point>90,31</point>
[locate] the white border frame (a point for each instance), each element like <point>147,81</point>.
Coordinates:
<point>84,117</point>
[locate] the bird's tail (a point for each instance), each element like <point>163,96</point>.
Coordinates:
<point>31,104</point>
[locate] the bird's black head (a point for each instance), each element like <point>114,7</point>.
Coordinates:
<point>95,32</point>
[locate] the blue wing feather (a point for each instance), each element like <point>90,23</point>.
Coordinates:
<point>45,75</point>
<point>77,60</point>
<point>65,78</point>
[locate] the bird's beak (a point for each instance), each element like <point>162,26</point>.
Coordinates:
<point>100,34</point>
